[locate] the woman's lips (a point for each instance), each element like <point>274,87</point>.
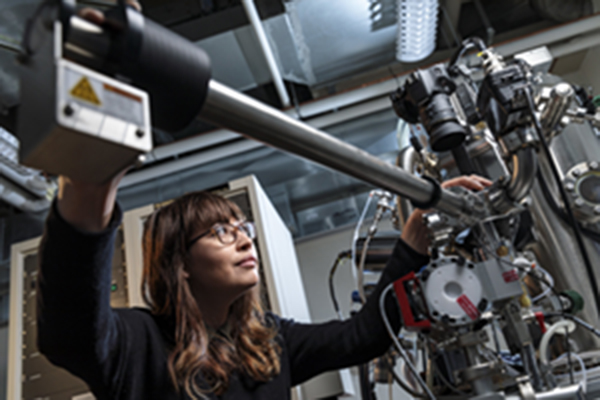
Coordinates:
<point>248,262</point>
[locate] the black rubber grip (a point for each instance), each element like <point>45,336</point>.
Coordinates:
<point>174,71</point>
<point>435,197</point>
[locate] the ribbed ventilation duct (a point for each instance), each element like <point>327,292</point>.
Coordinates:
<point>417,26</point>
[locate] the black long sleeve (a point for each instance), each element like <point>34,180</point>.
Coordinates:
<point>122,353</point>
<point>316,348</point>
<point>76,326</point>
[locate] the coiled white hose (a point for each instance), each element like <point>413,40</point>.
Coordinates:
<point>570,326</point>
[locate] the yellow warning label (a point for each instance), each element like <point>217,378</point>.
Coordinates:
<point>85,91</point>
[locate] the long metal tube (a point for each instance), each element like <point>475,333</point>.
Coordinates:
<point>230,109</point>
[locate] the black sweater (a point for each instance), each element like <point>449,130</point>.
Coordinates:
<point>122,353</point>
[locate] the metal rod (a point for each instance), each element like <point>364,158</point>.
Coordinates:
<point>9,45</point>
<point>230,109</point>
<point>254,18</point>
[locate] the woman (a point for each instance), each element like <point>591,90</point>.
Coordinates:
<point>205,335</point>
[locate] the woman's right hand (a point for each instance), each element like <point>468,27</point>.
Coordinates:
<point>97,17</point>
<point>87,206</point>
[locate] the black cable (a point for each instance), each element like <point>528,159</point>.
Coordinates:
<point>342,256</point>
<point>366,392</point>
<point>575,319</point>
<point>401,383</point>
<point>565,199</point>
<point>557,209</point>
<point>467,44</point>
<point>445,381</point>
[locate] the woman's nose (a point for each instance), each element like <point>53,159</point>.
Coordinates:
<point>243,241</point>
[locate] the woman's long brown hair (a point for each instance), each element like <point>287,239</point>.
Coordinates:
<point>249,348</point>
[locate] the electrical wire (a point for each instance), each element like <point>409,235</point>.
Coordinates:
<point>397,343</point>
<point>467,44</point>
<point>355,236</point>
<point>565,199</point>
<point>581,365</point>
<point>341,257</point>
<point>553,330</point>
<point>539,279</point>
<point>446,382</point>
<point>403,384</point>
<point>548,289</point>
<point>361,267</point>
<point>575,319</point>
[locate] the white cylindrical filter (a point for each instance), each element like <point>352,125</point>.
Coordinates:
<point>417,27</point>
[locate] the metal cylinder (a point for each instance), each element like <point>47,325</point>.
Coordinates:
<point>407,159</point>
<point>560,100</point>
<point>174,71</point>
<point>230,109</point>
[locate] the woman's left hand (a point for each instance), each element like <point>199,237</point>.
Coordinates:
<point>415,233</point>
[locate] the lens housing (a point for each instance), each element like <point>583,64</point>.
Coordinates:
<point>441,123</point>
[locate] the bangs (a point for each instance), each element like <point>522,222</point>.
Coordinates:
<point>201,210</point>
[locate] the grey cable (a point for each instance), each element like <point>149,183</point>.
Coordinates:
<point>397,343</point>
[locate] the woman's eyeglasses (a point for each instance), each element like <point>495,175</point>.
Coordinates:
<point>227,233</point>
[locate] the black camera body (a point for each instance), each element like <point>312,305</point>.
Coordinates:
<point>425,98</point>
<point>502,100</point>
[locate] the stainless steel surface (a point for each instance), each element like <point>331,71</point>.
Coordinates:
<point>408,159</point>
<point>557,252</point>
<point>561,97</point>
<point>568,392</point>
<point>233,110</point>
<point>524,170</point>
<point>577,143</point>
<point>556,247</point>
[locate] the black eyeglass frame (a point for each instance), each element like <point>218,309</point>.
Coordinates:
<point>251,233</point>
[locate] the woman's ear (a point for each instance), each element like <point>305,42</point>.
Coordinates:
<point>186,274</point>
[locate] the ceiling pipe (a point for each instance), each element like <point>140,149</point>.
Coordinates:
<point>576,44</point>
<point>256,23</point>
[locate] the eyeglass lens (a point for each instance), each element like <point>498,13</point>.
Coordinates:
<point>227,233</point>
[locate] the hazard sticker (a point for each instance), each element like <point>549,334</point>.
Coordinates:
<point>84,90</point>
<point>468,307</point>
<point>510,276</point>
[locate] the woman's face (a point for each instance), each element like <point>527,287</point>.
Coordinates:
<point>222,270</point>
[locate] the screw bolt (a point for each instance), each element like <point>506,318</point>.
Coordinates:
<point>139,133</point>
<point>68,110</point>
<point>502,251</point>
<point>482,305</point>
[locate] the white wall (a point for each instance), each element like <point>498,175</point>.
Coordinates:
<point>316,255</point>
